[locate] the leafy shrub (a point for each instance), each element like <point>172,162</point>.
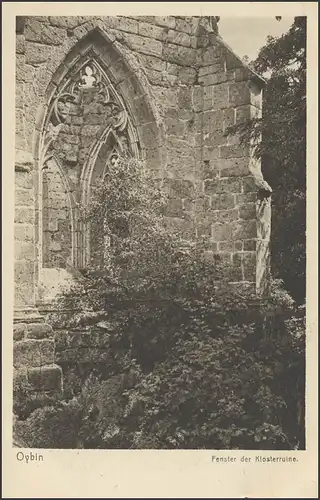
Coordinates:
<point>236,389</point>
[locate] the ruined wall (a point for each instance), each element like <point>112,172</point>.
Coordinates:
<point>162,88</point>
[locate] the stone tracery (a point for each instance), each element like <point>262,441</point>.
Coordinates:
<point>86,106</point>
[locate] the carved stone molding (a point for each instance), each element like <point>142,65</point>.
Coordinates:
<point>88,77</point>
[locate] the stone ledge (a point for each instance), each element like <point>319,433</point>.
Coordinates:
<point>23,161</point>
<point>27,315</point>
<point>31,331</point>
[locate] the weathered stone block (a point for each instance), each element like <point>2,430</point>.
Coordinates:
<point>24,232</point>
<point>242,74</point>
<point>167,21</point>
<point>180,167</point>
<point>19,331</point>
<point>23,179</point>
<point>208,154</point>
<point>212,79</point>
<point>246,198</point>
<point>255,95</point>
<point>80,31</point>
<point>225,258</point>
<point>184,98</point>
<point>234,167</point>
<point>249,245</point>
<point>222,232</point>
<point>149,134</point>
<point>33,353</point>
<point>24,197</point>
<point>24,271</point>
<point>180,146</point>
<point>248,211</point>
<point>45,378</point>
<point>152,62</point>
<point>24,216</point>
<point>239,94</point>
<point>215,137</point>
<point>245,113</point>
<point>249,266</point>
<point>187,25</point>
<point>228,185</point>
<point>236,270</point>
<point>229,118</point>
<point>153,159</point>
<point>225,215</point>
<point>239,246</point>
<point>143,44</point>
<point>160,79</point>
<point>39,32</point>
<point>245,230</point>
<point>234,139</point>
<point>23,250</point>
<point>38,331</point>
<point>234,151</point>
<point>24,292</point>
<point>249,185</point>
<point>20,67</point>
<point>187,76</point>
<point>197,98</point>
<point>142,113</point>
<point>36,53</point>
<point>175,127</point>
<point>150,30</point>
<point>202,204</point>
<point>66,21</point>
<point>209,169</point>
<point>20,122</point>
<point>179,38</point>
<point>177,188</point>
<point>126,24</point>
<point>225,246</point>
<point>174,208</point>
<point>212,55</point>
<point>226,201</point>
<point>172,69</point>
<point>20,95</point>
<point>207,97</point>
<point>20,44</point>
<point>211,120</point>
<point>220,96</point>
<point>183,56</point>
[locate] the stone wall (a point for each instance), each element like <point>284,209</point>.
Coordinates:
<point>160,88</point>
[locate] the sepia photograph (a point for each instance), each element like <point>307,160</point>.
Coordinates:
<point>160,233</point>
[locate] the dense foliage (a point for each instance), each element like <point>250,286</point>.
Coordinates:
<point>282,61</point>
<point>192,363</point>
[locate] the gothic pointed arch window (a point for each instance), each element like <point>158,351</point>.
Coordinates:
<point>87,127</point>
